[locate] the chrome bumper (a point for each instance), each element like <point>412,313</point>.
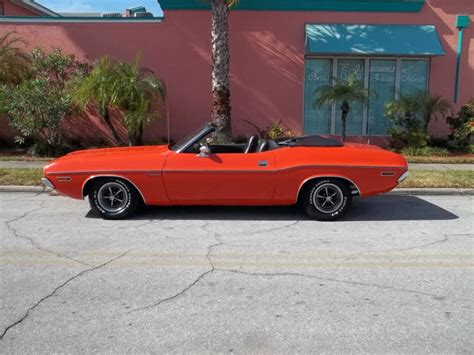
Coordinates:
<point>403,177</point>
<point>47,183</point>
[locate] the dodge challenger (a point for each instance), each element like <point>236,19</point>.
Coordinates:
<point>320,174</point>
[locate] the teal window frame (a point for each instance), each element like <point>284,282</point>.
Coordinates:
<point>335,111</point>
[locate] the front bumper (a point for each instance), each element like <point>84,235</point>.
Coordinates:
<point>403,177</point>
<point>47,183</point>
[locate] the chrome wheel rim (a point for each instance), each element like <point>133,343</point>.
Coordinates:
<point>328,198</point>
<point>112,197</point>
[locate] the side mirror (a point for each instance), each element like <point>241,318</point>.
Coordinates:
<point>204,152</point>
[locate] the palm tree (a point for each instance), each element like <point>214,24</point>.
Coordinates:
<point>432,106</point>
<point>98,88</point>
<point>127,87</point>
<point>221,108</point>
<point>14,62</point>
<point>137,89</point>
<point>347,92</point>
<point>419,105</point>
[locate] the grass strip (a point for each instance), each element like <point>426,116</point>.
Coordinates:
<point>461,159</point>
<point>21,177</point>
<point>442,179</point>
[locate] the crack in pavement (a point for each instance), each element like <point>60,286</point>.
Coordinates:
<point>51,294</point>
<point>420,246</point>
<point>35,245</point>
<point>354,283</point>
<point>210,249</point>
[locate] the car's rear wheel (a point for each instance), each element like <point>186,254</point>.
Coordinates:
<point>326,200</point>
<point>114,198</point>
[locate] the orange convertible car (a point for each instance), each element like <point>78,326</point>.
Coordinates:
<point>319,173</point>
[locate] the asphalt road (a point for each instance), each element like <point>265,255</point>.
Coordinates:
<point>396,275</point>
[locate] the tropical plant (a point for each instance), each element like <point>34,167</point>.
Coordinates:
<point>432,106</point>
<point>128,87</point>
<point>347,92</point>
<point>274,131</point>
<point>137,90</point>
<point>98,88</point>
<point>406,125</point>
<point>412,114</point>
<point>221,108</point>
<point>14,62</point>
<point>462,127</point>
<point>38,105</point>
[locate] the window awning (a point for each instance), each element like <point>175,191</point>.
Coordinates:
<point>373,40</point>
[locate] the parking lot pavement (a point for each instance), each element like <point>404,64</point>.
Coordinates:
<point>395,275</point>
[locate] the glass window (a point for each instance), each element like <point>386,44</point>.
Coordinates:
<point>318,73</point>
<point>382,78</point>
<point>347,68</point>
<point>414,76</point>
<point>382,81</point>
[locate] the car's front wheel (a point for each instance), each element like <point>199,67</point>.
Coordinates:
<point>114,198</point>
<point>326,200</point>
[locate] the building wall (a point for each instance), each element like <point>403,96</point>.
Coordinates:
<point>11,9</point>
<point>267,54</point>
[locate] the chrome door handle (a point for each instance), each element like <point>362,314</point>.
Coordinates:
<point>263,163</point>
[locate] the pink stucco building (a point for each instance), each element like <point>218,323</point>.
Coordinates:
<point>281,52</point>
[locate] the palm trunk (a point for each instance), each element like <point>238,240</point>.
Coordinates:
<point>108,122</point>
<point>344,112</point>
<point>426,123</point>
<point>136,138</point>
<point>221,112</point>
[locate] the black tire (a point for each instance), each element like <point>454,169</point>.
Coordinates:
<point>114,198</point>
<point>327,199</point>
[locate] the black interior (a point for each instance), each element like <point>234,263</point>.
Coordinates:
<point>252,144</point>
<point>256,145</point>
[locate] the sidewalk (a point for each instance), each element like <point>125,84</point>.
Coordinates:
<point>13,164</point>
<point>436,167</point>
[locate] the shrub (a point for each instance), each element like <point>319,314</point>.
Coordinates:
<point>462,127</point>
<point>411,114</point>
<point>36,112</point>
<point>274,131</point>
<point>14,62</point>
<point>38,105</point>
<point>425,151</point>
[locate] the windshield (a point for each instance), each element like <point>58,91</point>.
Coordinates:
<point>190,139</point>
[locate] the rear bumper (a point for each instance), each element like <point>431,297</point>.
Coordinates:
<point>47,183</point>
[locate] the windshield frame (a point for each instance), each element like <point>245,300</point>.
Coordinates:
<point>188,141</point>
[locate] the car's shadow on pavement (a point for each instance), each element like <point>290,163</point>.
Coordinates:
<point>381,208</point>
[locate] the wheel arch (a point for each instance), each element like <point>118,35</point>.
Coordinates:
<point>89,182</point>
<point>352,185</point>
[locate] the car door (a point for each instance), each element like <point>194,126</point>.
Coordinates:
<point>227,178</point>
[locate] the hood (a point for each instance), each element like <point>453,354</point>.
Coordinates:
<point>115,151</point>
<point>123,158</point>
<point>111,153</point>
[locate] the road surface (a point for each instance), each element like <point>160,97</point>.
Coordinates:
<point>395,276</point>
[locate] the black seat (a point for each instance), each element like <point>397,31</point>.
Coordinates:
<point>263,146</point>
<point>252,144</point>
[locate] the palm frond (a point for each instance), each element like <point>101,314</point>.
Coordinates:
<point>350,91</point>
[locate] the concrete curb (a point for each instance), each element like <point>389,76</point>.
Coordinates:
<point>13,188</point>
<point>432,192</point>
<point>396,192</point>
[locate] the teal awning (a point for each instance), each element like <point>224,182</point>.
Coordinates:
<point>373,40</point>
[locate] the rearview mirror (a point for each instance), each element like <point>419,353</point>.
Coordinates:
<point>204,152</point>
